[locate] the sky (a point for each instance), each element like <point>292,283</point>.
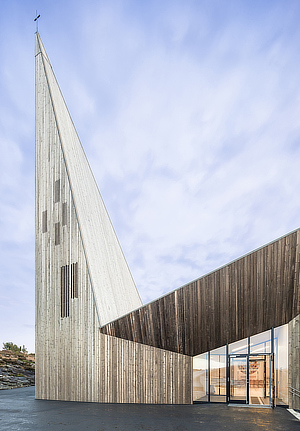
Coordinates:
<point>189,113</point>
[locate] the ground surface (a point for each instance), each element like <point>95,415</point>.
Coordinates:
<point>20,411</point>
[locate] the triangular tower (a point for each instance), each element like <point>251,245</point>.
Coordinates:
<point>69,200</point>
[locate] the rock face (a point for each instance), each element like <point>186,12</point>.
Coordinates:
<point>16,370</point>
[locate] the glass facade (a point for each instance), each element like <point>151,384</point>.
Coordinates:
<point>238,348</point>
<point>200,377</point>
<point>281,364</point>
<point>218,375</point>
<point>261,343</point>
<point>238,379</point>
<point>250,371</point>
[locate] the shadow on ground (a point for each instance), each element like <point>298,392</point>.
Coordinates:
<point>20,411</point>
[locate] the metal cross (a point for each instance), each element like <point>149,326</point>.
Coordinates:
<point>36,19</point>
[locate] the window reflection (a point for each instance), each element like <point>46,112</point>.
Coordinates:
<point>240,347</point>
<point>261,343</point>
<point>210,370</point>
<point>200,377</point>
<point>281,364</point>
<point>218,375</point>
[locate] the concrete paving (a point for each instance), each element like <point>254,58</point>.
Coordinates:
<point>20,411</point>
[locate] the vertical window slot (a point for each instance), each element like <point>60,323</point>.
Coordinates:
<point>44,221</point>
<point>57,233</point>
<point>62,291</point>
<point>75,280</point>
<point>64,214</point>
<point>72,282</point>
<point>67,291</point>
<point>57,191</point>
<point>68,286</point>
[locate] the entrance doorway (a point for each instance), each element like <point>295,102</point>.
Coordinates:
<point>238,378</point>
<point>253,370</point>
<point>250,379</point>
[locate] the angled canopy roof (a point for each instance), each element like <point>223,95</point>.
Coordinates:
<point>248,296</point>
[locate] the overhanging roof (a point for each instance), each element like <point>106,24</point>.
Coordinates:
<point>250,295</point>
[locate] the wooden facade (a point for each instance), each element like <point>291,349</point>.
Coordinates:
<point>250,295</point>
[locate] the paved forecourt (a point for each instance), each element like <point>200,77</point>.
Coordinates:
<point>20,411</point>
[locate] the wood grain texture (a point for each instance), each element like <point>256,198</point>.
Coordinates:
<point>294,363</point>
<point>248,296</point>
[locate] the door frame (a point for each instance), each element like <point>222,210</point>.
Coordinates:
<point>269,357</point>
<point>241,356</point>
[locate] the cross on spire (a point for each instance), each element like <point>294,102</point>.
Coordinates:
<point>36,19</point>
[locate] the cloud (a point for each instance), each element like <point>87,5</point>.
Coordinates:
<point>197,151</point>
<point>189,115</point>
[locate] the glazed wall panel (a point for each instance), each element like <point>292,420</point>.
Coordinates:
<point>294,363</point>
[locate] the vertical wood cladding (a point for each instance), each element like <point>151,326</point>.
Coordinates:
<point>294,363</point>
<point>248,296</point>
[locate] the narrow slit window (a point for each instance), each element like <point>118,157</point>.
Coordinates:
<point>64,214</point>
<point>75,275</point>
<point>57,191</point>
<point>57,233</point>
<point>44,221</point>
<point>74,280</point>
<point>62,291</point>
<point>65,291</point>
<point>72,287</point>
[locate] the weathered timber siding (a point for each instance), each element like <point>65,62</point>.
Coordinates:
<point>111,370</point>
<point>294,363</point>
<point>248,296</point>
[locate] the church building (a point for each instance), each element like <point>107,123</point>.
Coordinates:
<point>231,336</point>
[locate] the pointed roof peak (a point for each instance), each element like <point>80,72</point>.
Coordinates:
<point>114,290</point>
<point>39,47</point>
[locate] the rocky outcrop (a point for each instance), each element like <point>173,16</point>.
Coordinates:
<point>16,370</point>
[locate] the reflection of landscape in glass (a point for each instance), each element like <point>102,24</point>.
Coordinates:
<point>218,375</point>
<point>238,379</point>
<point>200,368</point>
<point>281,364</point>
<point>260,381</point>
<point>261,343</point>
<point>260,370</point>
<point>239,347</point>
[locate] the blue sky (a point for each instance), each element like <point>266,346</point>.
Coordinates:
<point>189,113</point>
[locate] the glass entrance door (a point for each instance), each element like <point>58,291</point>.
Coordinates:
<point>251,379</point>
<point>260,379</point>
<point>238,371</point>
